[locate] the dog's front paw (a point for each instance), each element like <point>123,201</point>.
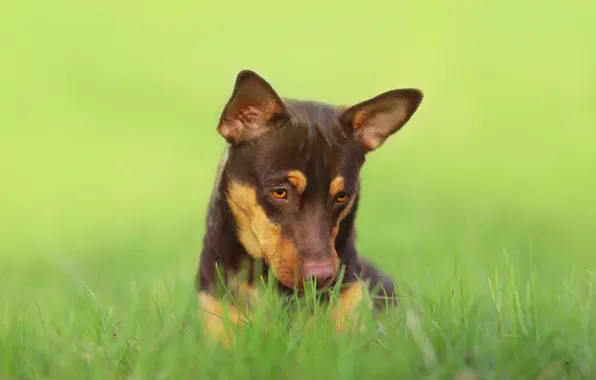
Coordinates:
<point>219,319</point>
<point>348,313</point>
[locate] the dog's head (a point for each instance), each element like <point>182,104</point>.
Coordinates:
<point>292,172</point>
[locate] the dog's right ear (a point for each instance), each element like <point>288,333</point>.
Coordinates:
<point>250,109</point>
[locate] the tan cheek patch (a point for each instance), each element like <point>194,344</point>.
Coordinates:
<point>255,231</point>
<point>335,229</point>
<point>342,216</point>
<point>336,186</point>
<point>260,237</point>
<point>298,180</point>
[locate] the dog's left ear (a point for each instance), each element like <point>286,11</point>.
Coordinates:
<point>251,107</point>
<point>374,120</point>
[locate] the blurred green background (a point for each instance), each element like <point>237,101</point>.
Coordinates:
<point>108,143</point>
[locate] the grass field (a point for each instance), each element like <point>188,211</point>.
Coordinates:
<point>482,207</point>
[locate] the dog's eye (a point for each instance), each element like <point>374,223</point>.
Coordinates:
<point>279,193</point>
<point>342,197</point>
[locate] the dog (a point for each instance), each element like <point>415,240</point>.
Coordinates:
<point>286,196</point>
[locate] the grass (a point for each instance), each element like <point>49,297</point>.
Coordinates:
<point>515,328</point>
<point>482,207</point>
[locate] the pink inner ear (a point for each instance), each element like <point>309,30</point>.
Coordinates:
<point>374,124</point>
<point>247,117</point>
<point>251,117</point>
<point>248,112</point>
<point>242,122</point>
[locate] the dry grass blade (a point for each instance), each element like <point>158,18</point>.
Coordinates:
<point>426,348</point>
<point>556,370</point>
<point>466,374</point>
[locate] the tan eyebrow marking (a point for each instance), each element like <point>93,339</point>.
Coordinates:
<point>336,186</point>
<point>298,180</point>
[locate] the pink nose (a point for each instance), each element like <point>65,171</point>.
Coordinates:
<point>322,271</point>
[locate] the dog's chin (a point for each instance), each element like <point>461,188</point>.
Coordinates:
<point>290,283</point>
<point>301,285</point>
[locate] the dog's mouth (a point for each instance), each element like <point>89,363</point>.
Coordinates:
<point>319,285</point>
<point>308,274</point>
<point>301,285</point>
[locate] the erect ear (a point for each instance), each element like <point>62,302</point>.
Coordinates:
<point>250,108</point>
<point>374,120</point>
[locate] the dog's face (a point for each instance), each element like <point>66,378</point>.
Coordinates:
<point>292,172</point>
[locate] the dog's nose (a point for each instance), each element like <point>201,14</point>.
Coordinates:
<point>322,271</point>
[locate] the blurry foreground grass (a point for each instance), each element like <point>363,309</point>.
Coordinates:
<point>482,207</point>
<point>507,329</point>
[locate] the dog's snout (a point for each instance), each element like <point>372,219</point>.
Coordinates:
<point>321,271</point>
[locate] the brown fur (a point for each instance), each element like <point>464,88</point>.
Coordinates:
<point>286,196</point>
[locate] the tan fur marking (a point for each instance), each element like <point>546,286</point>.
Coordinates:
<point>336,186</point>
<point>346,312</point>
<point>298,180</point>
<point>253,298</point>
<point>360,117</point>
<point>341,217</point>
<point>246,294</point>
<point>260,237</point>
<point>272,109</point>
<point>215,316</point>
